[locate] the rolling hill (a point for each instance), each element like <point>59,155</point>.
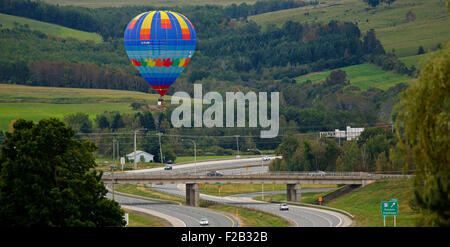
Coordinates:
<point>429,28</point>
<point>362,75</point>
<point>10,21</point>
<point>169,3</point>
<point>35,103</point>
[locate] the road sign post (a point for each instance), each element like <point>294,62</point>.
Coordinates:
<point>122,162</point>
<point>389,208</point>
<point>127,219</point>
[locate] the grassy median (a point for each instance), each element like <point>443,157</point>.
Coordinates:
<point>248,217</point>
<point>137,219</point>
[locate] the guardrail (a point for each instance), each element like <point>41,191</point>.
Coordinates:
<point>242,172</point>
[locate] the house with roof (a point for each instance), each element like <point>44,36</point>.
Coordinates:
<point>140,155</point>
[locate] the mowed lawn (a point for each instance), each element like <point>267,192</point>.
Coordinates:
<point>430,27</point>
<point>9,21</point>
<point>35,103</point>
<point>365,203</point>
<point>362,75</point>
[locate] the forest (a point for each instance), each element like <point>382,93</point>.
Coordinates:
<point>374,151</point>
<point>233,54</point>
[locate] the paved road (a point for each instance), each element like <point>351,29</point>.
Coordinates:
<point>190,216</point>
<point>202,167</point>
<point>298,216</point>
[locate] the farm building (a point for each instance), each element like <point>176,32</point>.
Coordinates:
<point>140,155</point>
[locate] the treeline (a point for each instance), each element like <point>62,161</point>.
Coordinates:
<point>110,126</point>
<point>33,58</point>
<point>244,10</point>
<point>100,20</point>
<point>374,151</point>
<point>301,47</point>
<point>82,75</point>
<point>73,17</point>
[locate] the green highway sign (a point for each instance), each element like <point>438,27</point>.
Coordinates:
<point>389,207</point>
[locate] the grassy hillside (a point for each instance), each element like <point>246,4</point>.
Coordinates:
<point>365,202</point>
<point>362,75</point>
<point>35,103</point>
<point>9,21</point>
<point>428,29</point>
<point>117,3</point>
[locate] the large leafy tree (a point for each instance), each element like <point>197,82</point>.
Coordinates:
<point>47,179</point>
<point>423,127</point>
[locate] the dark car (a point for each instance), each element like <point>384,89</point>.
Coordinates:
<point>168,167</point>
<point>214,173</point>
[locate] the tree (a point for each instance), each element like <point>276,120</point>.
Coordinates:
<point>372,3</point>
<point>147,120</point>
<point>117,122</point>
<point>337,77</point>
<point>137,105</point>
<point>47,178</point>
<point>421,50</point>
<point>410,16</point>
<point>102,121</point>
<point>371,45</point>
<point>79,122</point>
<point>422,125</point>
<point>388,2</point>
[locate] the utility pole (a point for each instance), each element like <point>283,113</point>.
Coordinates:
<point>195,154</point>
<point>113,154</point>
<point>160,148</point>
<point>237,144</point>
<point>134,161</point>
<point>262,169</point>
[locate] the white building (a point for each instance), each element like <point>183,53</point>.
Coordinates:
<point>349,133</point>
<point>146,156</point>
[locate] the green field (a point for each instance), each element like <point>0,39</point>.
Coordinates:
<point>428,29</point>
<point>309,197</point>
<point>9,21</point>
<point>21,93</point>
<point>362,75</point>
<point>417,60</point>
<point>364,203</point>
<point>231,189</point>
<point>35,103</point>
<point>156,3</point>
<point>249,217</point>
<point>137,219</point>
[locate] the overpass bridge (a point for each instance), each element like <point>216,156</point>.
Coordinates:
<point>293,180</point>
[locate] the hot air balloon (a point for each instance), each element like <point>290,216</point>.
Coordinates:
<point>160,44</point>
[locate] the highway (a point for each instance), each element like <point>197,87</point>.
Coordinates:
<point>190,216</point>
<point>298,216</point>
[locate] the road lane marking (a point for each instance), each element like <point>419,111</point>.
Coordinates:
<point>172,220</point>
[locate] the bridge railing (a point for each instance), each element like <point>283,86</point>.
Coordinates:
<point>243,172</point>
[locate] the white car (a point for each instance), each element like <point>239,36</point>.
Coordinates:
<point>266,158</point>
<point>284,207</point>
<point>204,221</point>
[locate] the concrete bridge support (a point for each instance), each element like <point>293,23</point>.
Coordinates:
<point>192,195</point>
<point>294,192</point>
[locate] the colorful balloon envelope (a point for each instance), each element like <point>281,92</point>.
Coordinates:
<point>160,45</point>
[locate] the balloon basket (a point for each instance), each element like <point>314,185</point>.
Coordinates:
<point>161,102</point>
